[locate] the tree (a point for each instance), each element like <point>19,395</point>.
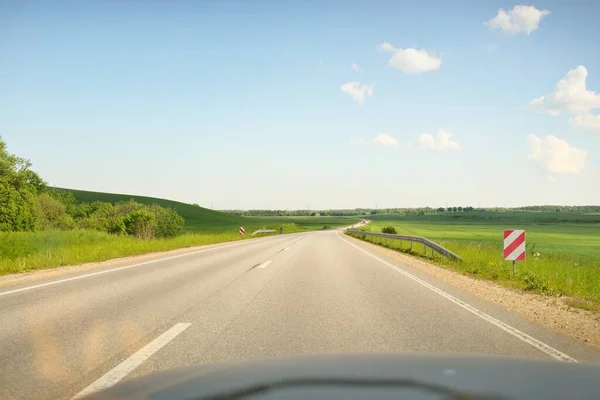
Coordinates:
<point>460,209</point>
<point>441,209</point>
<point>449,209</point>
<point>18,189</point>
<point>52,214</point>
<point>35,181</point>
<point>455,209</point>
<point>17,208</point>
<point>67,198</point>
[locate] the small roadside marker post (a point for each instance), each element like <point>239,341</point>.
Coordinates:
<point>514,247</point>
<point>242,230</point>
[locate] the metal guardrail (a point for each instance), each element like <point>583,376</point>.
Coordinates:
<point>263,231</point>
<point>427,244</point>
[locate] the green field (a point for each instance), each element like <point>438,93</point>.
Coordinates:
<point>26,251</point>
<point>200,219</point>
<point>563,249</point>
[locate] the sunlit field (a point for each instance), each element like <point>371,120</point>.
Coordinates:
<point>563,249</point>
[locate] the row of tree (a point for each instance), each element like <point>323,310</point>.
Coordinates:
<point>345,212</point>
<point>456,209</point>
<point>27,204</point>
<point>550,208</point>
<point>410,211</point>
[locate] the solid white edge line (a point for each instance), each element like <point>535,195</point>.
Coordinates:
<point>265,264</point>
<point>486,317</point>
<point>113,376</point>
<point>120,268</point>
<point>286,249</point>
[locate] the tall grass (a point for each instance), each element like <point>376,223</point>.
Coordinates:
<point>26,251</point>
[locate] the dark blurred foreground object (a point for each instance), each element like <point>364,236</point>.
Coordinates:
<point>373,376</point>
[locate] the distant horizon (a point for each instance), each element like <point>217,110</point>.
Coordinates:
<point>328,208</point>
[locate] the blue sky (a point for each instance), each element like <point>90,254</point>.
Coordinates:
<point>240,104</point>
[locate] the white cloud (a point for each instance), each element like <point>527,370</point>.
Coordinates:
<point>386,140</point>
<point>357,91</point>
<point>355,67</point>
<point>570,95</point>
<point>383,139</point>
<point>556,155</point>
<point>521,19</point>
<point>410,60</point>
<point>385,46</point>
<point>586,122</point>
<point>492,47</point>
<point>442,141</point>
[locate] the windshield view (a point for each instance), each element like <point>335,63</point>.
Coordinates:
<point>301,199</point>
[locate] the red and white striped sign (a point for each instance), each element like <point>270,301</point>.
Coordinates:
<point>242,230</point>
<point>514,245</point>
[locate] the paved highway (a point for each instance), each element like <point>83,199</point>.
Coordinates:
<point>289,294</point>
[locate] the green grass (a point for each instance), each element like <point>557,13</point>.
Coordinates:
<point>563,258</point>
<point>26,251</point>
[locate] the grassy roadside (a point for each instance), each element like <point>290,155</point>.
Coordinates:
<point>551,269</point>
<point>28,251</point>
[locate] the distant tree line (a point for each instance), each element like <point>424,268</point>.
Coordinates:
<point>28,204</point>
<point>456,209</point>
<point>416,211</point>
<point>577,209</point>
<point>298,213</point>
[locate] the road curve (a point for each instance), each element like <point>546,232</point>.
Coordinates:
<point>282,295</point>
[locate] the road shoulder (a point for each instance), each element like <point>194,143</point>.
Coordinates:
<point>547,311</point>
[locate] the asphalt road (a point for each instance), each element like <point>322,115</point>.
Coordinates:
<point>290,294</point>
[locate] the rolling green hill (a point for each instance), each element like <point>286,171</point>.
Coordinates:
<point>197,219</point>
<point>200,219</point>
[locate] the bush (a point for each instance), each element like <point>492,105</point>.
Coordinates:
<point>141,224</point>
<point>389,229</point>
<point>98,216</point>
<point>52,214</point>
<point>130,218</point>
<point>168,222</point>
<point>116,226</point>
